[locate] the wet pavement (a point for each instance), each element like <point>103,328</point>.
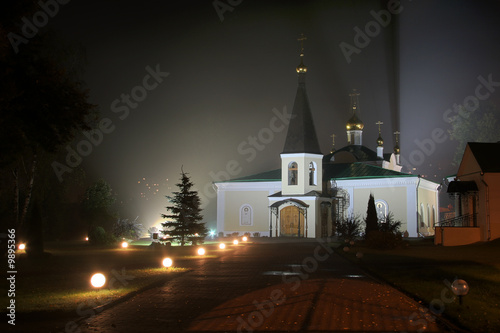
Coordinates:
<point>266,286</point>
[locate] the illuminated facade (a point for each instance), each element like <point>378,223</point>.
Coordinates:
<point>311,191</point>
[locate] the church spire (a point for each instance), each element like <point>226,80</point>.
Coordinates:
<point>354,125</point>
<point>380,141</point>
<point>396,147</point>
<point>301,136</point>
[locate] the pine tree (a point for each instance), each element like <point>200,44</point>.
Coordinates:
<point>371,220</point>
<point>185,224</point>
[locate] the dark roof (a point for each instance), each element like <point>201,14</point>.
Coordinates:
<point>301,136</point>
<point>268,176</point>
<point>462,186</point>
<point>360,154</point>
<point>487,155</point>
<point>359,171</point>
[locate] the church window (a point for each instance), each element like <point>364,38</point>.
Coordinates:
<point>382,209</point>
<point>292,173</point>
<point>312,174</point>
<point>246,215</point>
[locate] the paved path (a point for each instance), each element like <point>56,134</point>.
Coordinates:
<point>285,287</point>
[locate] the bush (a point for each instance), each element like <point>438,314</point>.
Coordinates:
<point>384,240</point>
<point>123,228</point>
<point>98,236</point>
<point>349,228</point>
<point>387,236</point>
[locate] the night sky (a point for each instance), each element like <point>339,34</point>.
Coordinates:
<point>228,71</point>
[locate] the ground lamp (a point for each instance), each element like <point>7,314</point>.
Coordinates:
<point>460,288</point>
<point>167,262</point>
<point>124,245</point>
<point>245,238</point>
<point>201,251</point>
<point>235,242</point>
<point>98,280</point>
<point>222,246</point>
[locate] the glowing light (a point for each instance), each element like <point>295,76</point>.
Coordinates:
<point>87,239</point>
<point>245,238</point>
<point>222,246</point>
<point>167,262</point>
<point>22,246</point>
<point>201,251</point>
<point>235,242</point>
<point>98,280</point>
<point>124,245</point>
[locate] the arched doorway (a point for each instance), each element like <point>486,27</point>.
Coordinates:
<point>292,221</point>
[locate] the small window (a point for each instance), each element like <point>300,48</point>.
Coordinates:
<point>312,174</point>
<point>292,173</point>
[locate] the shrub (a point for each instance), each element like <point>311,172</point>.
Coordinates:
<point>384,240</point>
<point>98,236</point>
<point>349,228</point>
<point>387,236</point>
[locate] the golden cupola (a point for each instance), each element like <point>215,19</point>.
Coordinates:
<point>354,125</point>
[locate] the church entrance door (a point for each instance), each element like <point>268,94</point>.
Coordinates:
<point>291,222</point>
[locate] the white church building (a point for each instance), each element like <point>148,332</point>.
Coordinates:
<point>311,191</point>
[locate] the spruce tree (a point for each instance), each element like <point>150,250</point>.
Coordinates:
<point>185,224</point>
<point>371,220</point>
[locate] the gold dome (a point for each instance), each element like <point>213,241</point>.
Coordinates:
<point>354,123</point>
<point>380,141</point>
<point>301,68</point>
<point>396,149</point>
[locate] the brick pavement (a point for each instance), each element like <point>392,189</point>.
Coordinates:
<point>273,287</point>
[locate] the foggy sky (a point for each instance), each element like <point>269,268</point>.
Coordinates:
<point>225,77</point>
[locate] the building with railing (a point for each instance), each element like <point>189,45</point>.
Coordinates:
<point>476,191</point>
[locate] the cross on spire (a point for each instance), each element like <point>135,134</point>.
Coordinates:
<point>397,136</point>
<point>379,123</point>
<point>301,39</point>
<point>333,143</point>
<point>301,68</point>
<point>354,100</point>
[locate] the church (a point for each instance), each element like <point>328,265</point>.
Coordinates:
<point>311,191</point>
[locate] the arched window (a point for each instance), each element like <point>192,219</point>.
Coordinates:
<point>246,215</point>
<point>382,209</point>
<point>312,174</point>
<point>429,219</point>
<point>292,173</point>
<point>433,216</point>
<point>422,220</point>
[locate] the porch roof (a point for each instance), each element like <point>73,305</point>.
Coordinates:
<point>462,186</point>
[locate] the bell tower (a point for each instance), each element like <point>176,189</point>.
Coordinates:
<point>301,159</point>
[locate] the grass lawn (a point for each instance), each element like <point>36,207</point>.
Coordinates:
<point>425,271</point>
<point>60,281</point>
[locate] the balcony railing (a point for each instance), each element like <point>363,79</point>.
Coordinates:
<point>467,220</point>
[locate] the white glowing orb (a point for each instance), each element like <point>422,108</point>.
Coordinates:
<point>167,262</point>
<point>222,246</point>
<point>22,246</point>
<point>201,251</point>
<point>235,242</point>
<point>245,238</point>
<point>124,245</point>
<point>98,280</point>
<point>86,238</point>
